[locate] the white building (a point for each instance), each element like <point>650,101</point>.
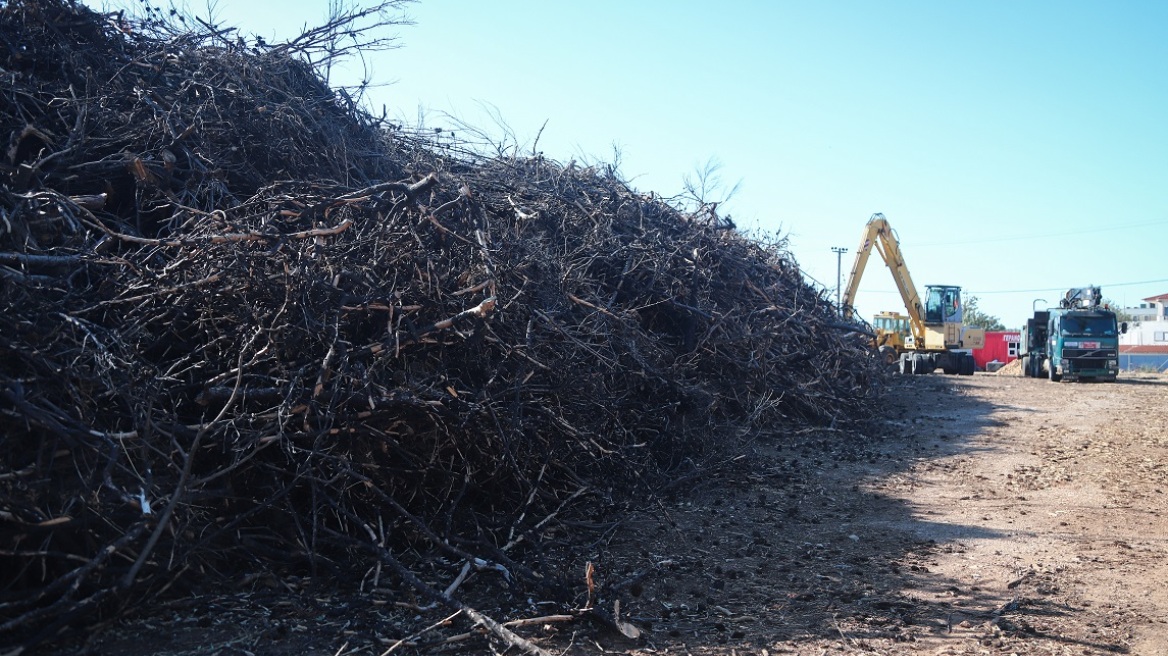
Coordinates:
<point>1146,342</point>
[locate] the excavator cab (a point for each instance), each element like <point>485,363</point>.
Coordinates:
<point>944,320</point>
<point>893,331</point>
<point>893,323</point>
<point>942,304</point>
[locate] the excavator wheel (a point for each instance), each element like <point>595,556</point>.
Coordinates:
<point>906,365</point>
<point>925,365</point>
<point>968,366</point>
<point>888,355</point>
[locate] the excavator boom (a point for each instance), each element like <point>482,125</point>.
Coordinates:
<point>878,235</point>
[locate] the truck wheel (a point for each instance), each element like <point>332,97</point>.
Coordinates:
<point>1026,366</point>
<point>888,355</point>
<point>1054,378</point>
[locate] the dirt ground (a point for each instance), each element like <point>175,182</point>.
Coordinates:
<point>987,515</point>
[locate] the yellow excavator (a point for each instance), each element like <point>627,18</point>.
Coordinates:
<point>932,336</point>
<point>892,331</point>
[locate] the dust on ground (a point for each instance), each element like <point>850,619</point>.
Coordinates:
<point>987,514</point>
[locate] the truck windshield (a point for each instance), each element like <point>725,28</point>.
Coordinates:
<point>1087,325</point>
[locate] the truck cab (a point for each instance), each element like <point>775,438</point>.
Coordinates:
<point>1083,344</point>
<point>1077,340</point>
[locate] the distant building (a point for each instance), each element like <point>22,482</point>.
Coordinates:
<point>1153,308</point>
<point>1144,312</point>
<point>1001,346</point>
<point>1145,345</point>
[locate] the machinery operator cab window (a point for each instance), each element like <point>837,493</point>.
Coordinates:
<point>943,304</point>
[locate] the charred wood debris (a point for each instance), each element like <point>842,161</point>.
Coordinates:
<point>245,324</point>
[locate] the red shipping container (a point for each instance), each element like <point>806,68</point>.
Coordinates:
<point>1000,346</point>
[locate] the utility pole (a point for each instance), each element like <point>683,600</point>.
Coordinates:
<point>839,254</point>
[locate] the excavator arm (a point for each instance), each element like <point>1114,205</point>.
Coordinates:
<point>878,235</point>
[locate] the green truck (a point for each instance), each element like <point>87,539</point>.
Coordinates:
<point>1076,341</point>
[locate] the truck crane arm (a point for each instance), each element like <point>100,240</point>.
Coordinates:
<point>878,235</point>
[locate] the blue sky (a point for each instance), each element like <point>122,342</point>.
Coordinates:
<point>1018,148</point>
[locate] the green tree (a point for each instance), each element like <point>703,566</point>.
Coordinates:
<point>975,317</point>
<point>1118,309</point>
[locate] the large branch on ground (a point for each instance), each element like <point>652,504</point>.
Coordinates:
<point>509,637</point>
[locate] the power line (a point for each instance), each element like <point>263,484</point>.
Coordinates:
<point>1056,289</point>
<point>1029,291</point>
<point>1045,235</point>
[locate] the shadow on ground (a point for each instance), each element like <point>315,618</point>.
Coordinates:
<point>805,547</point>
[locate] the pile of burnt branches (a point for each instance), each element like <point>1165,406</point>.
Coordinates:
<point>246,325</point>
